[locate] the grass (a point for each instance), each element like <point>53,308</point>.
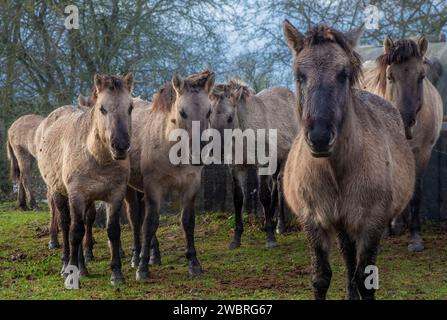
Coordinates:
<point>28,270</point>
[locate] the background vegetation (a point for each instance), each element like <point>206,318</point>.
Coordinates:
<point>43,65</point>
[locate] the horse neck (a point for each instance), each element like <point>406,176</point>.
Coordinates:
<point>245,116</point>
<point>166,126</point>
<point>95,146</point>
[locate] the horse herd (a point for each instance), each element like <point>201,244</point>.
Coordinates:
<point>353,142</point>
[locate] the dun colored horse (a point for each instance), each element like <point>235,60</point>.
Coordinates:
<point>82,158</point>
<point>236,106</point>
<point>54,215</point>
<point>399,76</point>
<point>351,169</point>
<point>175,106</point>
<point>21,151</point>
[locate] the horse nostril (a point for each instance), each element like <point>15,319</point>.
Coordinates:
<point>121,147</point>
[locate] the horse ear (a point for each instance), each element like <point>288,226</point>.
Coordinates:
<point>129,81</point>
<point>422,45</point>
<point>85,101</point>
<point>82,101</point>
<point>98,81</point>
<point>209,85</point>
<point>178,83</point>
<point>354,36</point>
<point>294,38</point>
<point>388,44</point>
<point>238,94</point>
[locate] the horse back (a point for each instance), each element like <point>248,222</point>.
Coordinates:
<point>22,131</point>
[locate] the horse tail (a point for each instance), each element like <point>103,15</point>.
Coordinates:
<point>14,169</point>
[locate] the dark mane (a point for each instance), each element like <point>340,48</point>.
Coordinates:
<point>234,87</point>
<point>220,91</point>
<point>321,34</point>
<point>401,51</point>
<point>165,97</point>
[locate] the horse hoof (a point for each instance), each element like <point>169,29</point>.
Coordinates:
<point>155,260</point>
<point>52,245</point>
<point>416,246</point>
<point>280,229</point>
<point>142,276</point>
<point>195,268</point>
<point>83,273</point>
<point>271,244</point>
<point>234,245</point>
<point>63,273</point>
<point>116,279</point>
<point>135,263</point>
<point>88,257</point>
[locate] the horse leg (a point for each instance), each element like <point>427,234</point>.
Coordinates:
<point>21,196</point>
<point>274,195</point>
<point>367,254</point>
<point>188,223</point>
<point>397,224</point>
<point>150,225</point>
<point>78,207</point>
<point>25,177</point>
<point>320,245</point>
<point>81,261</point>
<point>281,225</point>
<point>239,179</point>
<point>114,235</point>
<point>416,242</point>
<point>134,215</point>
<point>264,196</point>
<point>88,239</point>
<point>349,252</point>
<point>54,223</point>
<point>61,208</point>
<point>155,256</point>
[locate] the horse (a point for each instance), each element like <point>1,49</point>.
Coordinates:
<point>21,152</point>
<point>176,105</point>
<point>399,76</point>
<point>83,157</point>
<point>350,169</point>
<point>236,106</point>
<point>84,104</point>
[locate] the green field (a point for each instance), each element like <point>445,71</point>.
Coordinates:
<point>28,270</point>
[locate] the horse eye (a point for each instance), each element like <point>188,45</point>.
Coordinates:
<point>183,114</point>
<point>421,78</point>
<point>209,113</point>
<point>300,77</point>
<point>342,76</point>
<point>103,110</point>
<point>230,119</point>
<point>130,108</point>
<point>390,77</point>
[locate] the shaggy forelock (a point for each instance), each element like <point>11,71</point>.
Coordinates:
<point>321,34</point>
<point>165,97</point>
<point>108,82</point>
<point>400,52</point>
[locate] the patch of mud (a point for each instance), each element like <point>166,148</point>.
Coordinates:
<point>41,232</point>
<point>17,256</point>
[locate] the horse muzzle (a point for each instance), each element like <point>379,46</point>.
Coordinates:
<point>321,148</point>
<point>119,153</point>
